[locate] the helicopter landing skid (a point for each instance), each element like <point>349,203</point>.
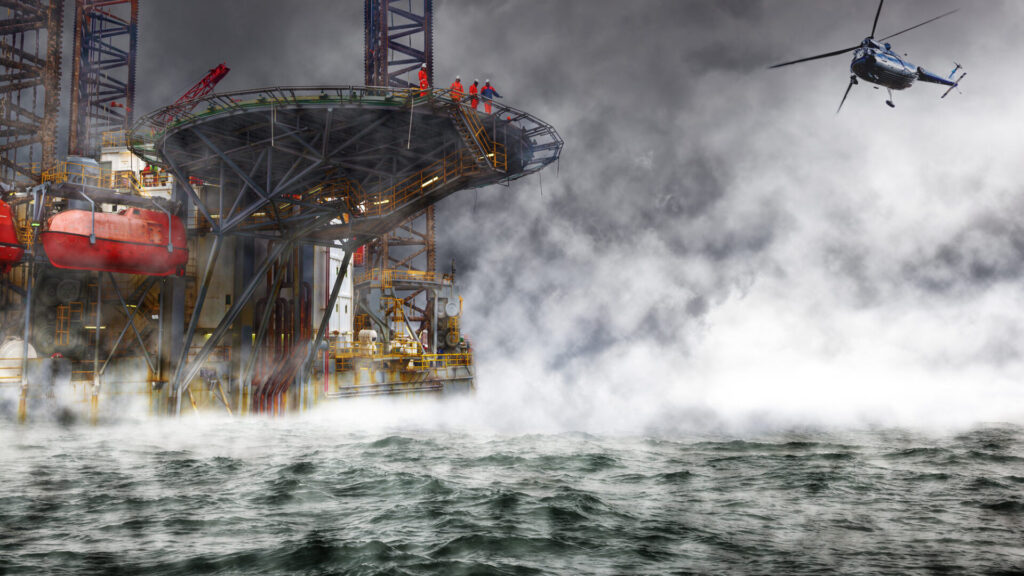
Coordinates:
<point>889,101</point>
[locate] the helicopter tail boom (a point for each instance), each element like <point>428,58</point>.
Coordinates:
<point>926,76</point>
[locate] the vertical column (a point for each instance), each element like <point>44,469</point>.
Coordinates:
<point>103,71</point>
<point>174,302</point>
<point>94,396</point>
<point>23,397</point>
<point>30,42</point>
<point>400,38</point>
<point>243,345</point>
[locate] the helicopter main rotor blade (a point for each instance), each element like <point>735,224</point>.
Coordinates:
<point>836,53</point>
<point>919,25</point>
<point>853,80</point>
<point>877,14</point>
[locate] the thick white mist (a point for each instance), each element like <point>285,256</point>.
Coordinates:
<point>854,270</point>
<point>720,251</point>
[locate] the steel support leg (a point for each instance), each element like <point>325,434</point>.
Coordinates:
<point>197,309</point>
<point>23,395</point>
<point>131,324</point>
<point>158,374</point>
<point>229,318</point>
<point>244,341</point>
<point>95,397</point>
<point>325,321</point>
<point>433,324</point>
<point>261,333</point>
<point>182,179</point>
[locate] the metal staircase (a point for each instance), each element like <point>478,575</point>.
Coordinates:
<point>488,153</point>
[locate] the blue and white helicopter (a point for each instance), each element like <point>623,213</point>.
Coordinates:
<point>875,62</point>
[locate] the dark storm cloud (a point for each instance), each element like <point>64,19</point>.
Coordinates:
<point>987,251</point>
<point>693,179</point>
<point>265,43</point>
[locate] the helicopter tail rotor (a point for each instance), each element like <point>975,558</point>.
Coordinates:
<point>956,84</point>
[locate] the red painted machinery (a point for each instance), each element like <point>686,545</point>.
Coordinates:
<point>132,241</point>
<point>187,102</point>
<point>10,249</point>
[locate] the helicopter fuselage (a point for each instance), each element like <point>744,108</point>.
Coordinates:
<point>882,66</point>
<point>875,62</point>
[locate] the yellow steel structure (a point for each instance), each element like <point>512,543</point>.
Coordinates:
<point>115,139</point>
<point>123,180</point>
<point>349,350</point>
<point>385,278</point>
<point>494,153</point>
<point>65,316</point>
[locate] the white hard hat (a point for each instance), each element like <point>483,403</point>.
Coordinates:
<point>424,65</point>
<point>476,80</point>
<point>457,77</point>
<point>488,81</point>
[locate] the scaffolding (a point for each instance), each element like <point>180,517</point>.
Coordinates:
<point>102,71</point>
<point>30,61</point>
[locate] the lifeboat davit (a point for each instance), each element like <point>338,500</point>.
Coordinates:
<point>132,241</point>
<point>10,249</point>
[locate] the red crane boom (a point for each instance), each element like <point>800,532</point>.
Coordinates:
<point>188,101</point>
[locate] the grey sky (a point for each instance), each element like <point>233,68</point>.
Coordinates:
<point>715,236</point>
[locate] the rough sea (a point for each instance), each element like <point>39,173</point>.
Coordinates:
<point>307,496</point>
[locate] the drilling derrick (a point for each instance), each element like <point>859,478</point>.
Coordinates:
<point>30,59</point>
<point>102,72</point>
<point>399,41</point>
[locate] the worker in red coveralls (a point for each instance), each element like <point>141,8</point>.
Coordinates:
<point>473,91</point>
<point>424,82</point>
<point>456,89</point>
<point>488,92</point>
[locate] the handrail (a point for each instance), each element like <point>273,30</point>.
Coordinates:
<point>448,168</point>
<point>387,276</point>
<point>115,139</point>
<point>494,153</point>
<point>92,175</point>
<point>348,349</point>
<point>10,370</point>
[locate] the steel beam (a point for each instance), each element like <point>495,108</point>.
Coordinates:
<point>261,332</point>
<point>30,85</point>
<point>148,285</point>
<point>102,72</point>
<point>30,280</point>
<point>182,180</point>
<point>197,309</point>
<point>325,321</point>
<point>96,375</point>
<point>226,322</point>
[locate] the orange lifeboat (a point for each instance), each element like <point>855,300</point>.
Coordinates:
<point>10,249</point>
<point>132,241</point>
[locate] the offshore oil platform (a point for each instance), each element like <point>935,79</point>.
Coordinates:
<point>255,251</point>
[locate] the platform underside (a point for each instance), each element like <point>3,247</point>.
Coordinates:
<point>277,146</point>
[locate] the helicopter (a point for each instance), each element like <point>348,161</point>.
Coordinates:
<point>874,61</point>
